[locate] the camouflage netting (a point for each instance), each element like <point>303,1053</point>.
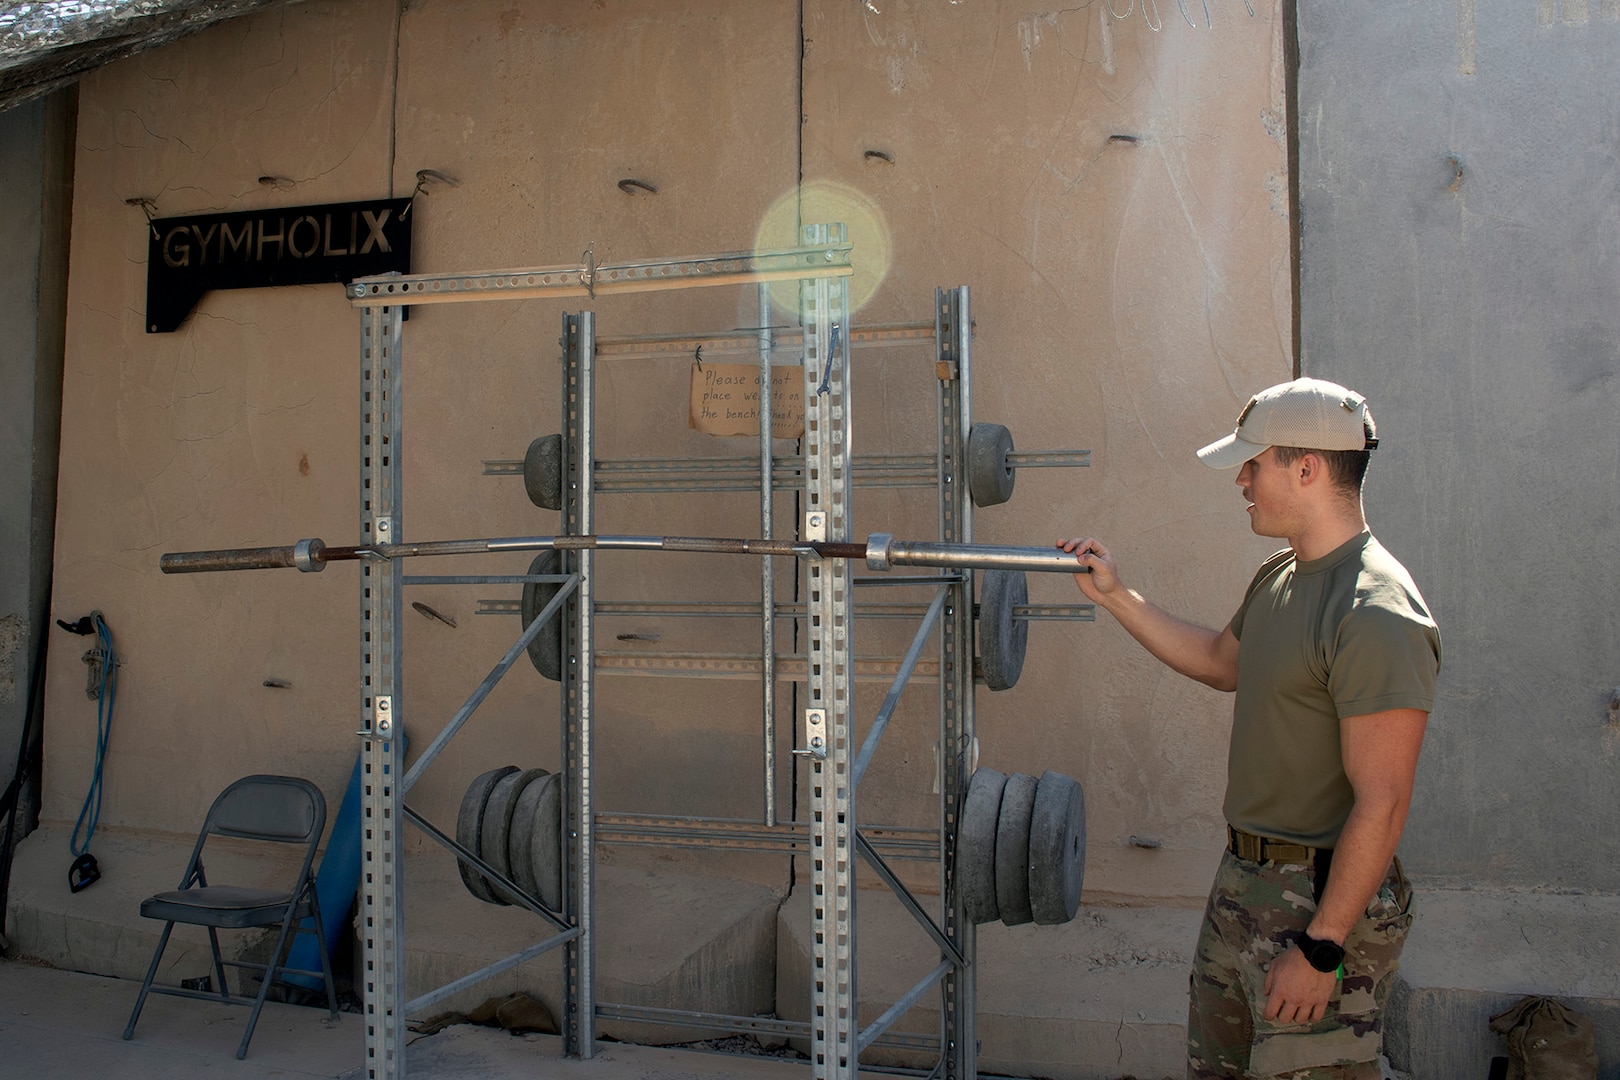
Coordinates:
<point>46,46</point>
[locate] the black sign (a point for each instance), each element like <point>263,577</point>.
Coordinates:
<point>294,245</point>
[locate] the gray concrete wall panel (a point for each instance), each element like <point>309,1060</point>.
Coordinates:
<point>1461,265</point>
<point>22,135</point>
<point>35,172</point>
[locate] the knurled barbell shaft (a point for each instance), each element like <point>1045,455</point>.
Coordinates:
<point>880,551</point>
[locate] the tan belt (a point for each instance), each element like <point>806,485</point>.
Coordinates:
<point>1262,848</point>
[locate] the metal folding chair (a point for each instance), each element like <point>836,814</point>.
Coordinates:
<point>275,809</point>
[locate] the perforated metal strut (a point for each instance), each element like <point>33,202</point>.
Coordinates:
<point>824,311</point>
<point>382,882</point>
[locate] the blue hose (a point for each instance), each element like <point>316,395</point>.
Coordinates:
<point>90,813</point>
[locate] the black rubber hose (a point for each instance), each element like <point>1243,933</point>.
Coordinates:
<point>9,802</point>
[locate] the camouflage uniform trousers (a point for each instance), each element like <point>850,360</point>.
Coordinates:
<point>1255,911</point>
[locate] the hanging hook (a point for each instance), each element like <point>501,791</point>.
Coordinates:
<point>423,176</point>
<point>148,207</point>
<point>630,184</point>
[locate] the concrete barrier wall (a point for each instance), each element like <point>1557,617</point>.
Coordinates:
<point>1459,255</point>
<point>1113,193</point>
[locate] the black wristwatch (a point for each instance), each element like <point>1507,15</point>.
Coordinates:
<point>1323,955</point>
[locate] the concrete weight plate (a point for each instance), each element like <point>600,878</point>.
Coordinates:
<point>545,651</point>
<point>542,472</point>
<point>519,839</point>
<point>990,476</point>
<point>975,859</point>
<point>1057,849</point>
<point>537,830</point>
<point>1012,849</point>
<point>499,825</point>
<point>1002,638</point>
<point>470,830</point>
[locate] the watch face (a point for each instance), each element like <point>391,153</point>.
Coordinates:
<point>1323,955</point>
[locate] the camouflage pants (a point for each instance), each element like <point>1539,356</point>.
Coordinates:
<point>1255,910</point>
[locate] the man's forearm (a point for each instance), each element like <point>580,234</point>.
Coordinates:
<point>1194,651</point>
<point>1380,759</point>
<point>1360,863</point>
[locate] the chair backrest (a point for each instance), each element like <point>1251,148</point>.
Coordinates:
<point>285,809</point>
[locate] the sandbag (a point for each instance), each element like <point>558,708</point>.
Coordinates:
<point>1547,1041</point>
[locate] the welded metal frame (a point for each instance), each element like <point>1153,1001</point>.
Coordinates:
<point>832,839</point>
<point>381,605</point>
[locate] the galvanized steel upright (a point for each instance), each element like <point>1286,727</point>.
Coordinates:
<point>825,312</point>
<point>579,685</point>
<point>382,876</point>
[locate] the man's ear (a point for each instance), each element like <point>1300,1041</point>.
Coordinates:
<point>1309,467</point>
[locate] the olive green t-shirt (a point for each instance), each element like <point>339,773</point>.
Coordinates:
<point>1344,635</point>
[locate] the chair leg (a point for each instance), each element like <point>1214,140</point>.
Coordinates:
<point>270,969</point>
<point>219,965</point>
<point>146,983</point>
<point>320,947</point>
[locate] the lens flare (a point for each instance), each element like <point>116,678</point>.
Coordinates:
<point>822,201</point>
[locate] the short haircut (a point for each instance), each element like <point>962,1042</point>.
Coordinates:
<point>1347,468</point>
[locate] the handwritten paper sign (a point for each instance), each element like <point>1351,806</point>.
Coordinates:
<point>725,400</point>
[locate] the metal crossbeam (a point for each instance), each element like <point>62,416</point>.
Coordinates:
<point>829,260</point>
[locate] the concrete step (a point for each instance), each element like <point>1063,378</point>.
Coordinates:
<point>1472,953</point>
<point>1106,994</point>
<point>665,937</point>
<point>1100,997</point>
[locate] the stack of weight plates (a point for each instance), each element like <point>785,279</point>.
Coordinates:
<point>1020,848</point>
<point>511,818</point>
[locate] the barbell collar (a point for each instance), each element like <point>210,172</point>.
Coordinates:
<point>307,556</point>
<point>878,546</point>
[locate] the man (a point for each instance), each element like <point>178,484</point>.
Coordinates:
<point>1333,656</point>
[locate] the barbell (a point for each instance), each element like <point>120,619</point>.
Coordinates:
<point>881,552</point>
<point>1002,635</point>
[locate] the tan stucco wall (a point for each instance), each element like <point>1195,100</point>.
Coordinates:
<point>1128,297</point>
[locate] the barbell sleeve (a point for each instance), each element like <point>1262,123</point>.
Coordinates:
<point>883,551</point>
<point>310,556</point>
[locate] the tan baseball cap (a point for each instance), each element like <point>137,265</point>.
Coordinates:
<point>1313,414</point>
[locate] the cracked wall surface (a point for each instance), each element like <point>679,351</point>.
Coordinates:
<point>1109,191</point>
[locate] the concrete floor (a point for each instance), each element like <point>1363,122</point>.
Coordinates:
<point>1095,999</point>
<point>66,1024</point>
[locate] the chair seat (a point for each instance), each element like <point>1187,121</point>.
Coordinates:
<point>219,905</point>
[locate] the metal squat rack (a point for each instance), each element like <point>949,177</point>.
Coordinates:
<point>820,267</point>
